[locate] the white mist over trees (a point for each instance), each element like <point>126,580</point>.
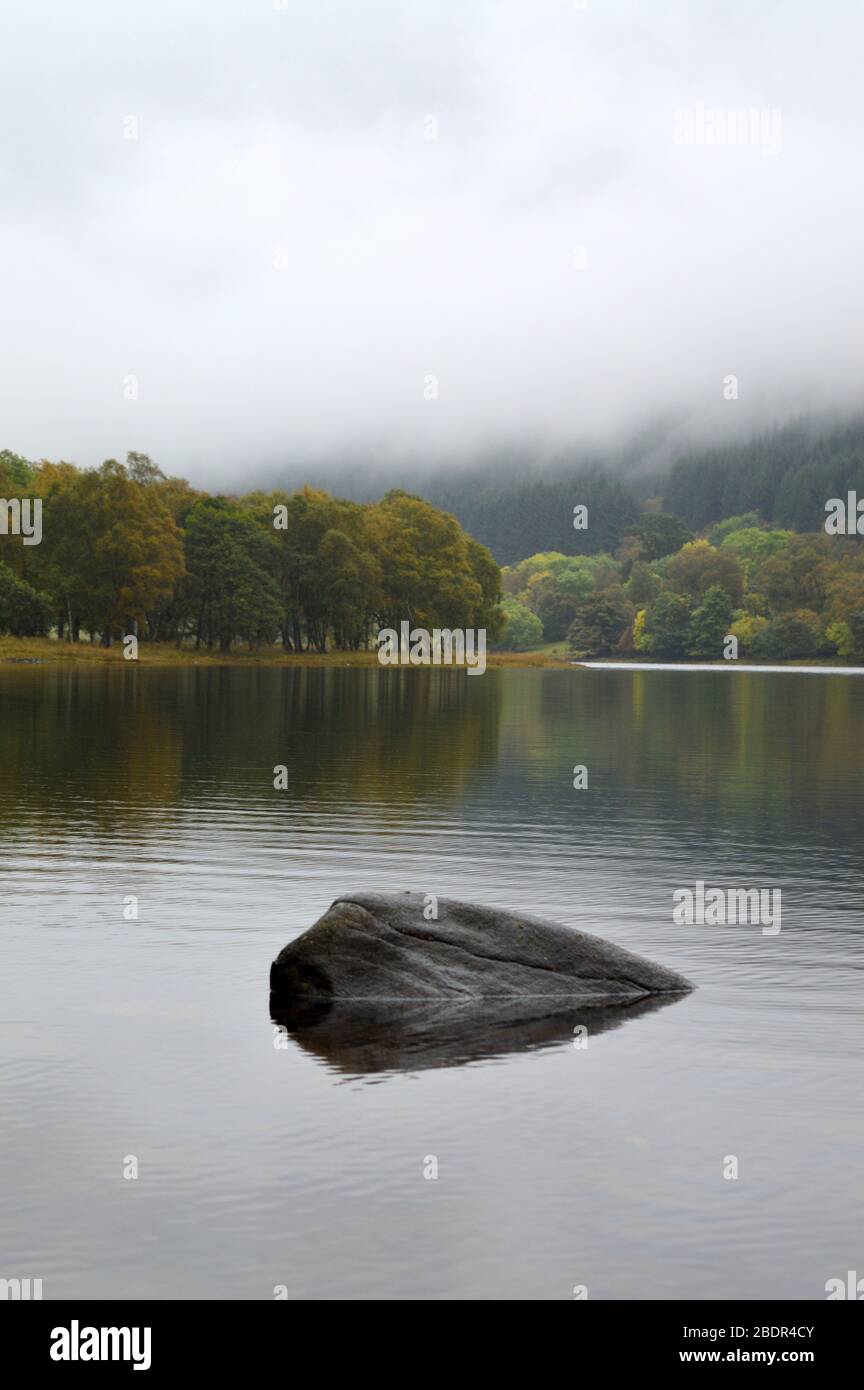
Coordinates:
<point>240,237</point>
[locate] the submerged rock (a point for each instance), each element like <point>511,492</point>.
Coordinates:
<point>379,946</point>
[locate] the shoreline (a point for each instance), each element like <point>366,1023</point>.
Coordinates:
<point>40,651</point>
<point>814,668</point>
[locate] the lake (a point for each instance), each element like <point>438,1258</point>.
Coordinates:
<point>268,1159</point>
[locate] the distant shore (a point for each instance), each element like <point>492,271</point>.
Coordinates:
<point>43,651</point>
<point>827,667</point>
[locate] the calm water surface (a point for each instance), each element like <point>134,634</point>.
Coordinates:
<point>301,1164</point>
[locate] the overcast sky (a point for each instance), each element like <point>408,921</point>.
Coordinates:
<point>329,204</point>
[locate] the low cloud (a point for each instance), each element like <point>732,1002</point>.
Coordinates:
<point>240,237</point>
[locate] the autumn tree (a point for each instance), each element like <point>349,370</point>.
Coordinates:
<point>698,567</point>
<point>137,556</point>
<point>600,622</point>
<point>795,576</point>
<point>431,575</point>
<point>328,572</point>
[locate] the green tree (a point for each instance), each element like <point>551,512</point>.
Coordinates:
<point>15,472</point>
<point>786,638</point>
<point>229,592</point>
<point>709,626</point>
<point>644,584</point>
<point>572,573</point>
<point>718,533</point>
<point>840,635</point>
<point>746,628</point>
<point>666,626</point>
<point>24,612</point>
<point>752,545</point>
<point>658,534</point>
<point>523,628</point>
<point>349,587</point>
<point>555,609</point>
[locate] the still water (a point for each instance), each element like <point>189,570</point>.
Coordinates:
<point>267,1159</point>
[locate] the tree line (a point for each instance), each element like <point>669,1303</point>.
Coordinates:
<point>670,594</point>
<point>126,549</point>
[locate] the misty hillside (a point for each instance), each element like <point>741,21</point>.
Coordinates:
<point>516,517</point>
<point>786,476</point>
<point>518,507</point>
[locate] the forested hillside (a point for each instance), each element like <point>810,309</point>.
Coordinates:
<point>518,506</point>
<point>786,476</point>
<point>517,516</point>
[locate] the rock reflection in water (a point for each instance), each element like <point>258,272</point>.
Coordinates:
<point>366,1038</point>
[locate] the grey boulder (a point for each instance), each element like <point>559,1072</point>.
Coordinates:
<point>380,946</point>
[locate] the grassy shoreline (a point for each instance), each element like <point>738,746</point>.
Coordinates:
<point>43,651</point>
<point>46,651</point>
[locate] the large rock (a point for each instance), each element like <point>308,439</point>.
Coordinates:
<point>379,946</point>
